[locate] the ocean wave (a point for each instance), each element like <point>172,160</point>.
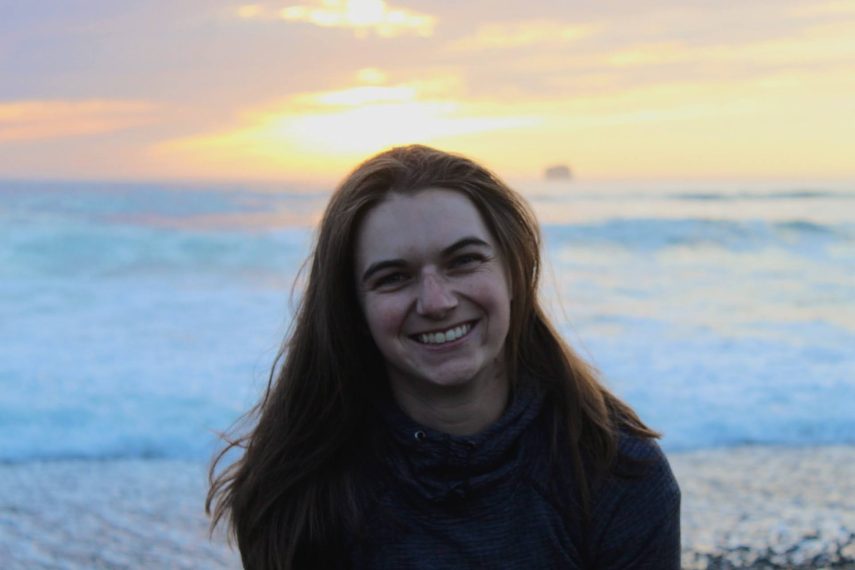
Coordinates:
<point>772,195</point>
<point>147,452</point>
<point>654,234</point>
<point>93,250</point>
<point>720,193</point>
<point>82,249</point>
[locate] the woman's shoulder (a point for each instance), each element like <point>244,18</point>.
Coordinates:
<point>638,447</point>
<point>642,468</point>
<point>636,510</point>
<point>641,484</point>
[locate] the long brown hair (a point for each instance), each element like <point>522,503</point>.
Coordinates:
<point>292,495</point>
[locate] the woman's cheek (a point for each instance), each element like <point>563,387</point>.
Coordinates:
<point>385,316</point>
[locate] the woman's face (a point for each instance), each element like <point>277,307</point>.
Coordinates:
<point>434,290</point>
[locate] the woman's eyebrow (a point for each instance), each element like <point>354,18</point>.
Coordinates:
<point>398,263</point>
<point>464,242</point>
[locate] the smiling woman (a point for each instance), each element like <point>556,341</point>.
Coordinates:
<point>426,414</point>
<point>437,302</point>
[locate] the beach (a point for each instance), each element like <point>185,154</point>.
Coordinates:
<point>142,320</point>
<point>768,507</point>
<point>749,507</point>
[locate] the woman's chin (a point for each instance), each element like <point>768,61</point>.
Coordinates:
<point>445,379</point>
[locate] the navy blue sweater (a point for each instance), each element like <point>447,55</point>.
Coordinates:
<point>495,500</point>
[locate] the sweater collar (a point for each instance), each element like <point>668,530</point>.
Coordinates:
<point>440,467</point>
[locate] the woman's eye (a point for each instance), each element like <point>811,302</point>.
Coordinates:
<point>466,260</point>
<point>390,279</point>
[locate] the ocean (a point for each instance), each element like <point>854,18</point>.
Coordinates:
<point>139,320</point>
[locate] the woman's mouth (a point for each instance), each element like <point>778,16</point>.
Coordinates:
<point>446,336</point>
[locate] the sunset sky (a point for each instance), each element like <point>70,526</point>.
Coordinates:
<point>617,89</point>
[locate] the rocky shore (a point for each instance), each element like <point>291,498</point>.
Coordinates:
<point>768,507</point>
<point>752,507</point>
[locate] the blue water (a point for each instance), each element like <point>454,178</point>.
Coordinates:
<point>138,320</point>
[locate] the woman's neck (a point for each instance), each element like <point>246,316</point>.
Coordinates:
<point>457,410</point>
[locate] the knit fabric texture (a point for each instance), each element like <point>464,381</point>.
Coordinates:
<point>498,500</point>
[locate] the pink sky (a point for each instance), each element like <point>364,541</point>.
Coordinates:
<point>301,91</point>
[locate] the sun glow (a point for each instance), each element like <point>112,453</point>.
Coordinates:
<point>342,126</point>
<point>685,128</point>
<point>363,129</point>
<point>303,89</point>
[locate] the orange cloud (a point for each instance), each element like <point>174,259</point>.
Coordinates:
<point>816,45</point>
<point>35,120</point>
<point>836,8</point>
<point>313,132</point>
<point>679,127</point>
<point>520,34</point>
<point>361,16</point>
<point>820,44</point>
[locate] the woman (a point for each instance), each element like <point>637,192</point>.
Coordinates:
<point>426,413</point>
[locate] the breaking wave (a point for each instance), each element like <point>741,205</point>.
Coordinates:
<point>654,234</point>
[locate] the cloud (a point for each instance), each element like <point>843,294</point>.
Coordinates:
<point>598,71</point>
<point>361,16</point>
<point>508,36</point>
<point>371,75</point>
<point>836,8</point>
<point>316,131</point>
<point>259,88</point>
<point>821,44</point>
<point>358,119</point>
<point>39,120</point>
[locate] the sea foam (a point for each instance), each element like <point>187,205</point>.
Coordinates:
<point>138,321</point>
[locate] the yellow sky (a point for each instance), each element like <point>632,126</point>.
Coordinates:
<point>304,91</point>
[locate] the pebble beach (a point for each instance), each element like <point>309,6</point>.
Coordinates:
<point>768,507</point>
<point>141,319</point>
<point>749,507</point>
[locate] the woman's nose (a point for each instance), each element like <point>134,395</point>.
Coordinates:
<point>435,297</point>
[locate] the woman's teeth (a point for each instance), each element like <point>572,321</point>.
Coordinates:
<point>445,336</point>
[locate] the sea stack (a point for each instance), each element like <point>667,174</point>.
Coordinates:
<point>558,172</point>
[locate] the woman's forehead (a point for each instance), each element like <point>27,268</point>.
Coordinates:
<point>424,221</point>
